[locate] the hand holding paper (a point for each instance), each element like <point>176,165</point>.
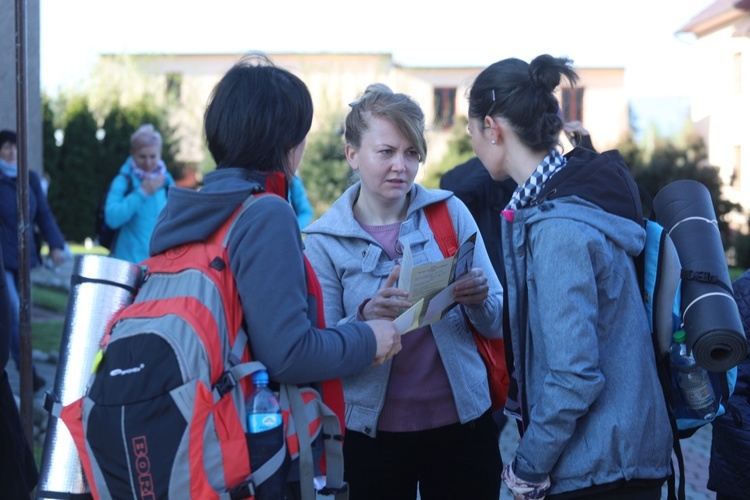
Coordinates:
<point>433,286</point>
<point>389,301</point>
<point>472,288</point>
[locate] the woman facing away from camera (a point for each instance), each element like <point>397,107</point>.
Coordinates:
<point>594,421</point>
<point>422,419</point>
<point>256,125</point>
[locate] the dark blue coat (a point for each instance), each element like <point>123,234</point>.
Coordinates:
<point>729,469</point>
<point>39,214</point>
<point>18,473</point>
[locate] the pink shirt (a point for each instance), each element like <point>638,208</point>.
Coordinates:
<point>419,395</point>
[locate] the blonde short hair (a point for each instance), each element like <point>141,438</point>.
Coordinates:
<point>401,110</point>
<point>145,136</point>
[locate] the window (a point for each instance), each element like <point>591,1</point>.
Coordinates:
<point>174,86</point>
<point>572,104</point>
<point>445,106</point>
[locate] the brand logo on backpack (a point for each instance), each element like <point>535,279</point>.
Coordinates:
<point>143,467</point>
<point>127,371</point>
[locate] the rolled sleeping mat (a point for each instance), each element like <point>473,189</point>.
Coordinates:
<point>100,287</point>
<point>709,313</point>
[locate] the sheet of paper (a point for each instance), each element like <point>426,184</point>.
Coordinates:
<point>439,305</point>
<point>429,279</point>
<point>409,320</point>
<point>404,278</point>
<point>431,285</point>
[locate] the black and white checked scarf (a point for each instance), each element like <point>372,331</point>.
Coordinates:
<point>525,193</point>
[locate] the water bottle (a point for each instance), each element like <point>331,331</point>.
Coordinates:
<point>693,380</point>
<point>265,435</point>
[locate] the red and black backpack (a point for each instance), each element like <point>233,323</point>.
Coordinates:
<point>164,413</point>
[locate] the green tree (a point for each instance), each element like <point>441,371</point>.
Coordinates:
<point>50,149</point>
<point>459,151</point>
<point>74,197</point>
<point>119,124</point>
<point>115,145</point>
<point>669,162</point>
<point>324,169</point>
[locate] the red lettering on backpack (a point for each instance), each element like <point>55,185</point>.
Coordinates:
<point>143,467</point>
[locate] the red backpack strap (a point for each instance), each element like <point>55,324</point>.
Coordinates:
<point>441,224</point>
<point>332,390</point>
<point>492,351</point>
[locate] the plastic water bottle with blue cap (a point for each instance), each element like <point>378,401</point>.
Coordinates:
<point>695,385</point>
<point>265,435</point>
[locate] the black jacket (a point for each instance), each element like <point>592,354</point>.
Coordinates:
<point>729,468</point>
<point>485,198</point>
<point>18,473</point>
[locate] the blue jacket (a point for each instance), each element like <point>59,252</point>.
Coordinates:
<point>352,266</point>
<point>593,409</point>
<point>729,468</point>
<point>133,213</point>
<point>300,202</point>
<point>39,214</point>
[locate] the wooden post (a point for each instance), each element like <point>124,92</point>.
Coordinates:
<point>24,289</point>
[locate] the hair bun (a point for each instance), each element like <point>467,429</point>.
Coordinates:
<point>372,90</point>
<point>377,88</point>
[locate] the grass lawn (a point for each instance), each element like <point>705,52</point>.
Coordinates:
<point>46,335</point>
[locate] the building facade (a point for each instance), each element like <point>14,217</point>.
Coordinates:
<point>9,76</point>
<point>720,101</point>
<point>336,79</point>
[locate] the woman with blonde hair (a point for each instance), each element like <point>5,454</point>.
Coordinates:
<point>137,195</point>
<point>421,420</point>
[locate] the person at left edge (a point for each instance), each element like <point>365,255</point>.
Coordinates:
<point>39,215</point>
<point>422,420</point>
<point>137,195</point>
<point>18,472</point>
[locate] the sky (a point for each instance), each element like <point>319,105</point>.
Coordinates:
<point>639,35</point>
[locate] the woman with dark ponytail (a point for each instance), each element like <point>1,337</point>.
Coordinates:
<point>589,403</point>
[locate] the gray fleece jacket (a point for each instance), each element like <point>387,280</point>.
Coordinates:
<point>352,267</point>
<point>265,253</point>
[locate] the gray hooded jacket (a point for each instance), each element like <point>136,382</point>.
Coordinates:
<point>352,267</point>
<point>592,403</point>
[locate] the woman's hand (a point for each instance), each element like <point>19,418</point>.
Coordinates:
<point>472,288</point>
<point>150,185</point>
<point>57,255</point>
<point>387,304</point>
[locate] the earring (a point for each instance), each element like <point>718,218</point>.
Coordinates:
<point>493,141</point>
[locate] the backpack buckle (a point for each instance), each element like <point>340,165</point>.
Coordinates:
<point>242,490</point>
<point>340,493</point>
<point>225,383</point>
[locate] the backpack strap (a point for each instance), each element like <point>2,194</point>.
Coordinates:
<point>657,270</point>
<point>492,351</point>
<point>330,409</point>
<point>441,224</point>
